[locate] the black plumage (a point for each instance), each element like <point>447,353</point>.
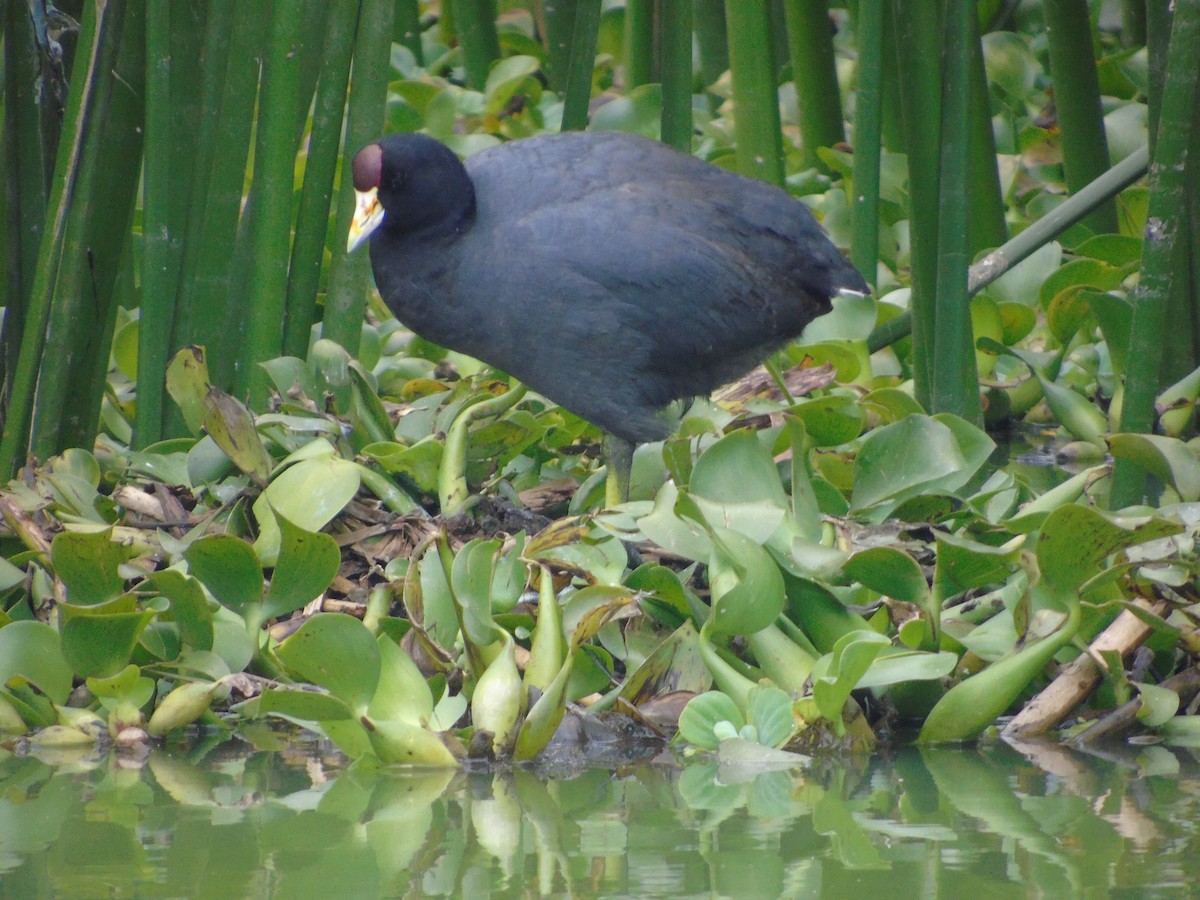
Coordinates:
<point>608,272</point>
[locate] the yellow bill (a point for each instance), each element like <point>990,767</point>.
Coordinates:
<point>368,214</point>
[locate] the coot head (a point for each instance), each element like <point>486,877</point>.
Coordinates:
<point>409,184</point>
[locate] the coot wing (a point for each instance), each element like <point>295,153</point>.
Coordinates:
<point>616,301</point>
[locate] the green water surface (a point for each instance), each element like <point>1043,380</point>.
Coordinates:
<point>243,818</point>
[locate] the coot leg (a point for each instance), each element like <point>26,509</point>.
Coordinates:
<point>618,454</point>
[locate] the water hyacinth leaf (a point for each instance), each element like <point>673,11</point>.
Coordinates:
<point>1176,405</point>
<point>401,743</point>
<point>1068,312</point>
<point>182,706</point>
<point>368,416</point>
<point>202,664</point>
<point>189,607</point>
<point>33,651</point>
<point>1078,415</point>
<point>747,587</point>
<point>601,558</point>
<point>1033,513</point>
<point>675,664</point>
<point>309,706</point>
<point>506,78</point>
<point>417,94</point>
<point>898,666</point>
<point>891,572</point>
<point>916,455</point>
<point>497,702</point>
<point>127,686</point>
<point>338,653</point>
<point>974,703</point>
<point>228,567</point>
<point>1022,283</point>
<point>161,640</point>
<point>678,458</point>
<point>448,711</point>
<point>591,672</point>
<point>728,678</point>
<point>471,580</point>
<point>758,520</point>
<point>637,112</point>
<point>319,448</point>
<point>784,661</point>
<point>329,365</point>
<point>548,645</point>
<point>10,718</point>
<point>830,421</point>
<point>1181,731</point>
<point>307,564</point>
<point>231,426</point>
<point>419,463</point>
<point>188,384</point>
<point>992,639</point>
<point>916,632</point>
<point>308,494</point>
<point>1075,540</point>
<point>558,534</point>
<point>1012,67</point>
<point>1016,322</point>
<point>232,641</point>
<point>348,735</point>
<point>963,564</point>
<point>1115,315</point>
<point>736,485</point>
<point>402,694</point>
<point>207,463</point>
<point>586,611</point>
<point>74,496</point>
<point>821,615</point>
<point>87,564</point>
<point>846,665</point>
<point>664,591</point>
<point>1114,249</point>
<point>985,322</point>
<point>806,512</point>
<point>428,599</point>
<point>290,376</point>
<point>509,576</point>
<point>682,535</point>
<point>805,558</point>
<point>890,404</point>
<point>165,462</point>
<point>544,717</point>
<point>1077,273</point>
<point>974,444</point>
<point>738,469</point>
<point>847,357</point>
<point>997,497</point>
<point>10,576</point>
<point>699,720</point>
<point>34,707</point>
<point>100,645</point>
<point>1159,705</point>
<point>1169,459</point>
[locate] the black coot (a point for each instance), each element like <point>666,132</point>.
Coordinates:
<point>608,272</point>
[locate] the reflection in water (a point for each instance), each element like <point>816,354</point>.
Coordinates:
<point>229,820</point>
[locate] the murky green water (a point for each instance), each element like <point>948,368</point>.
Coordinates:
<point>229,820</point>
